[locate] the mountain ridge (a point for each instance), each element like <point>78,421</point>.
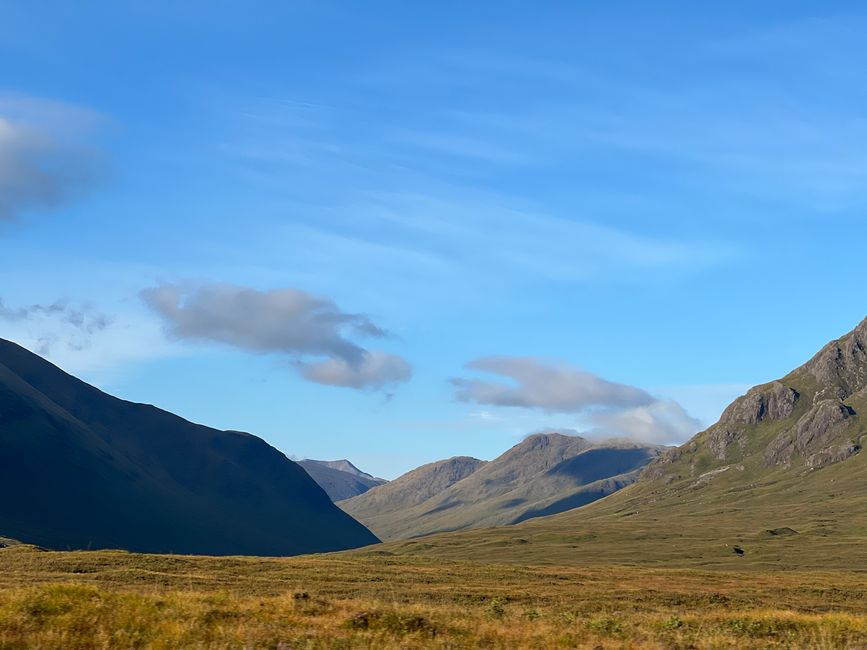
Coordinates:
<point>543,474</point>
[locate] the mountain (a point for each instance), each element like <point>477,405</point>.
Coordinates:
<point>82,469</point>
<point>383,506</point>
<point>779,482</point>
<point>544,474</point>
<point>339,478</point>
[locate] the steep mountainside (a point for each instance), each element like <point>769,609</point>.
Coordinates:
<point>82,469</point>
<point>779,481</point>
<point>339,478</point>
<point>544,474</point>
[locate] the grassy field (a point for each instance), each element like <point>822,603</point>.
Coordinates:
<point>120,600</point>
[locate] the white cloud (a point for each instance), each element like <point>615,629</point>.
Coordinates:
<point>542,385</point>
<point>663,422</point>
<point>601,408</point>
<point>284,321</point>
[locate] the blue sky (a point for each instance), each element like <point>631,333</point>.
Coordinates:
<point>305,219</point>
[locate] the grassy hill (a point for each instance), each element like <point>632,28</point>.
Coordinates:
<point>778,482</point>
<point>82,469</point>
<point>544,474</point>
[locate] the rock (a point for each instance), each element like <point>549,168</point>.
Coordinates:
<point>831,455</point>
<point>818,426</point>
<point>841,366</point>
<point>781,532</point>
<point>719,439</point>
<point>707,477</point>
<point>814,436</point>
<point>770,402</point>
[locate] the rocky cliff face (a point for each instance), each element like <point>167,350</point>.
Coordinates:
<point>840,367</point>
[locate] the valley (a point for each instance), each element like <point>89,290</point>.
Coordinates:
<point>107,599</point>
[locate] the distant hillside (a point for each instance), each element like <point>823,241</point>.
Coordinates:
<point>339,478</point>
<point>381,506</point>
<point>81,469</point>
<point>544,474</point>
<point>780,481</point>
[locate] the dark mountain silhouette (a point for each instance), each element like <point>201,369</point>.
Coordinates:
<point>82,469</point>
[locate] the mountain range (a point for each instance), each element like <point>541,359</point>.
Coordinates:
<point>779,481</point>
<point>545,474</point>
<point>82,469</point>
<point>339,478</point>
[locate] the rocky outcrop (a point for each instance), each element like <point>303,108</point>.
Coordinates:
<point>841,366</point>
<point>816,436</point>
<point>771,402</point>
<point>720,438</point>
<point>832,455</point>
<point>707,477</point>
<point>821,424</point>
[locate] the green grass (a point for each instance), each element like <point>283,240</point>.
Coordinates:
<point>114,600</point>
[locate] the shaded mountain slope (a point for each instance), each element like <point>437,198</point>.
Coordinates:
<point>339,478</point>
<point>544,474</point>
<point>82,469</point>
<point>780,481</point>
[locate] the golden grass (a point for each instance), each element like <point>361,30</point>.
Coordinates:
<point>123,600</point>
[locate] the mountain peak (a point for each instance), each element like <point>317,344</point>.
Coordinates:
<point>840,367</point>
<point>344,465</point>
<point>544,473</point>
<point>807,420</point>
<point>339,478</point>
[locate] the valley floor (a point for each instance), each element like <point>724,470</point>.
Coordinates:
<point>118,600</point>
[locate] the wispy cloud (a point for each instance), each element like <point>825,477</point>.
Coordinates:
<point>663,421</point>
<point>58,322</point>
<point>543,385</point>
<point>280,321</point>
<point>374,370</point>
<point>46,157</point>
<point>606,408</point>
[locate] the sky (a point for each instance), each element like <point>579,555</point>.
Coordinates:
<point>397,232</point>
